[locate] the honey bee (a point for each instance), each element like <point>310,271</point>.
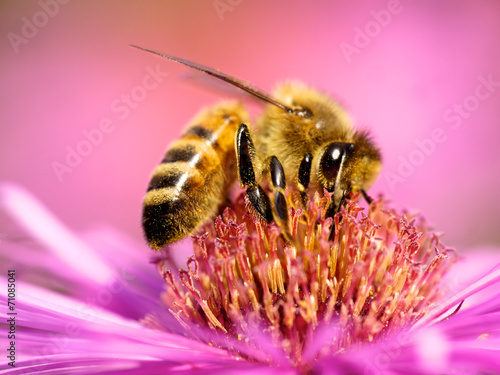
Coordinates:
<point>303,139</point>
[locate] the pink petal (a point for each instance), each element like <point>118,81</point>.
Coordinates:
<point>48,230</point>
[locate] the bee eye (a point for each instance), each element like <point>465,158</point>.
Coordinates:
<point>331,160</point>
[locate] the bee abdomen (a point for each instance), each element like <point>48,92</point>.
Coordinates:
<point>177,193</point>
<point>168,216</point>
<point>189,184</point>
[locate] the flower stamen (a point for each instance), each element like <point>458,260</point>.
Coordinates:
<point>380,273</point>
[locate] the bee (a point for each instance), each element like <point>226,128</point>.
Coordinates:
<point>303,139</point>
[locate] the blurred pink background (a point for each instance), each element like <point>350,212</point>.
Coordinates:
<point>400,67</point>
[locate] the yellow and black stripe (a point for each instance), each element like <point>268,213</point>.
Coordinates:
<point>192,180</point>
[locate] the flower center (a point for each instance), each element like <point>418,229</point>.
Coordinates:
<point>380,273</point>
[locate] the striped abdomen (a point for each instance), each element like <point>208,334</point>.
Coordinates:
<point>193,178</point>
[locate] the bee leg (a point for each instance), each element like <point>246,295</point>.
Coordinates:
<point>304,178</point>
<point>333,210</point>
<point>279,185</point>
<point>367,198</point>
<point>245,152</point>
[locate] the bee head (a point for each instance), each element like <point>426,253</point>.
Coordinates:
<point>331,166</point>
<point>350,166</point>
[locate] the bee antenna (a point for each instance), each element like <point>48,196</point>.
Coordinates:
<point>245,86</point>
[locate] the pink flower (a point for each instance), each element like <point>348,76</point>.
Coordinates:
<point>376,302</point>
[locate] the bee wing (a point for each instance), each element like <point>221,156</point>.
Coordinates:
<point>245,86</point>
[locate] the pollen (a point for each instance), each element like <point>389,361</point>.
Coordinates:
<point>379,272</point>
